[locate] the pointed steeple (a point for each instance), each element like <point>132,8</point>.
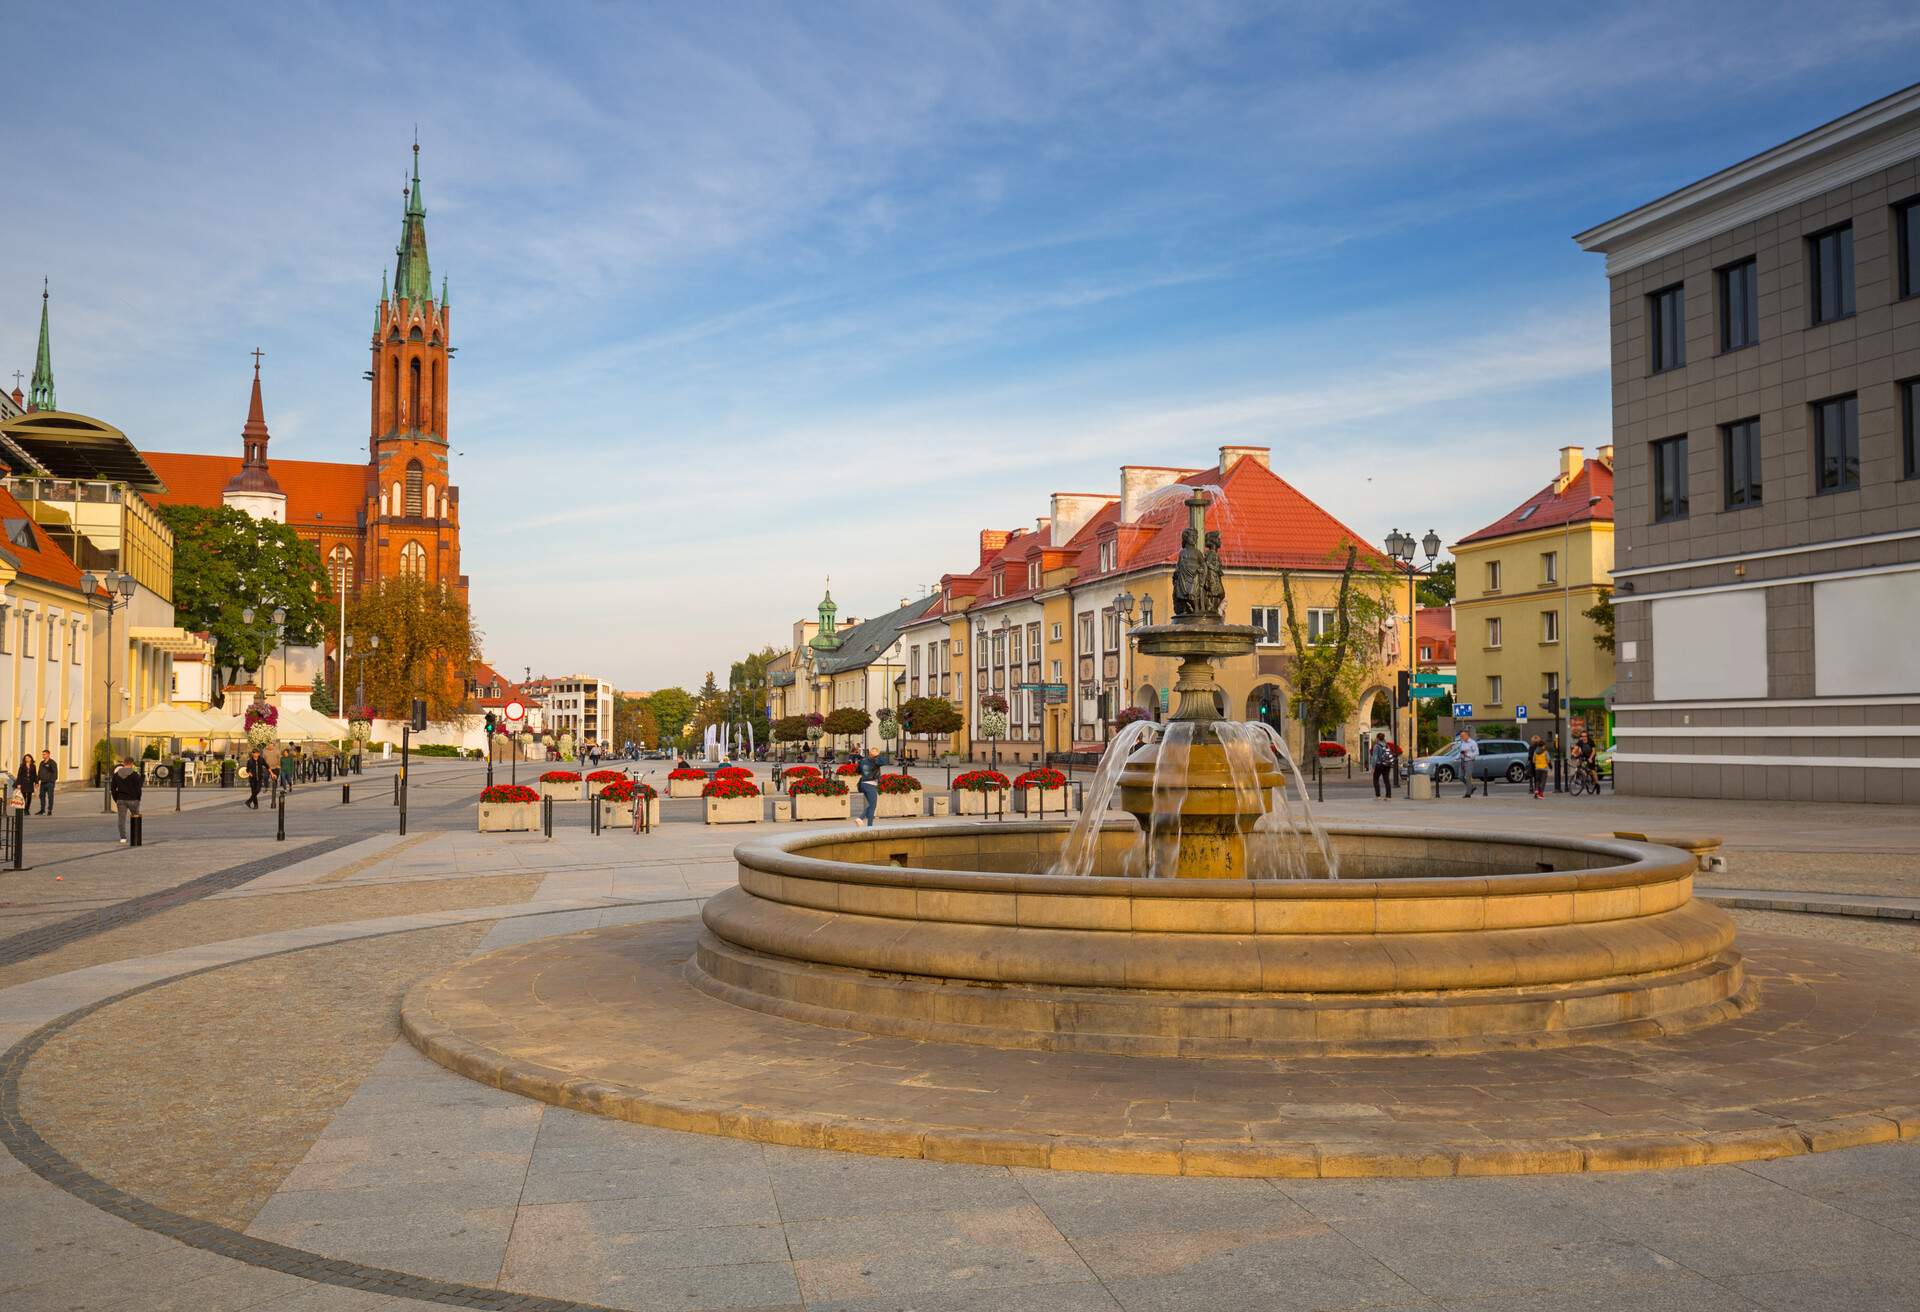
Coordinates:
<point>444,302</point>
<point>40,393</point>
<point>253,476</point>
<point>412,278</point>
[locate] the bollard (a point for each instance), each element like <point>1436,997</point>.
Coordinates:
<point>19,822</point>
<point>134,830</point>
<point>346,794</point>
<point>546,816</point>
<point>593,816</point>
<point>396,790</point>
<point>280,822</point>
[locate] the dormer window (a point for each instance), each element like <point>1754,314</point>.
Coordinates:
<point>999,583</point>
<point>1109,555</point>
<point>1033,573</point>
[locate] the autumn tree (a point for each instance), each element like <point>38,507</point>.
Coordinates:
<point>672,708</point>
<point>427,640</point>
<point>846,721</point>
<point>933,716</point>
<point>225,560</point>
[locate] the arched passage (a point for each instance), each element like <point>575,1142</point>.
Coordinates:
<point>1267,704</point>
<point>1147,698</point>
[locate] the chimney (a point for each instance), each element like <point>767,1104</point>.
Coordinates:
<point>1572,459</point>
<point>1606,455</point>
<point>1137,483</point>
<point>1233,455</point>
<point>1042,524</point>
<point>991,541</point>
<point>1072,510</point>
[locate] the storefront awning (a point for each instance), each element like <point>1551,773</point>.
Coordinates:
<point>169,639</point>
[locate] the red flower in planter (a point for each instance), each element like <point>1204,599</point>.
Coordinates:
<point>726,788</point>
<point>847,767</point>
<point>815,786</point>
<point>1044,777</point>
<point>688,773</point>
<point>981,781</point>
<point>894,784</point>
<point>793,770</point>
<point>604,776</point>
<point>560,777</point>
<point>733,772</point>
<point>503,793</point>
<point>1332,749</point>
<point>623,789</point>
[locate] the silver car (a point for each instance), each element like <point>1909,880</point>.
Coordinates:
<point>1498,757</point>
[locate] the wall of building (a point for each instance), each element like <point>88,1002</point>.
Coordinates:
<point>1526,662</point>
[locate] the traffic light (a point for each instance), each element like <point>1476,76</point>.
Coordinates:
<point>490,724</point>
<point>1406,686</point>
<point>1553,701</point>
<point>419,715</point>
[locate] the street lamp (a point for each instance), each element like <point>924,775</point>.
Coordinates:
<point>1400,546</point>
<point>1123,606</point>
<point>119,589</point>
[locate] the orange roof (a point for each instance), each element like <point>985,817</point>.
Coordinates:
<point>42,559</point>
<point>484,675</point>
<point>318,491</point>
<point>1433,627</point>
<point>1549,509</point>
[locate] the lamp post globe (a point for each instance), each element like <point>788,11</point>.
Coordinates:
<point>1431,545</point>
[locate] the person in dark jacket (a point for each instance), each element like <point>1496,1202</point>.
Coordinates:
<point>256,769</point>
<point>870,767</point>
<point>49,776</point>
<point>124,789</point>
<point>27,776</point>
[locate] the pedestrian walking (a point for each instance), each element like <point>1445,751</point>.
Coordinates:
<point>870,767</point>
<point>1382,761</point>
<point>124,789</point>
<point>27,776</point>
<point>256,769</point>
<point>1469,759</point>
<point>49,776</point>
<point>1539,762</point>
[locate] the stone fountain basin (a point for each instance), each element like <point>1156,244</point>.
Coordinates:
<point>1436,940</point>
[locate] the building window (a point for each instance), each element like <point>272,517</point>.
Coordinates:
<point>1906,238</point>
<point>413,395</point>
<point>1830,273</point>
<point>1739,305</point>
<point>999,583</point>
<point>1033,643</point>
<point>1493,631</point>
<point>1109,555</point>
<point>1086,633</point>
<point>413,561</point>
<point>1910,428</point>
<point>1426,653</point>
<point>1550,687</point>
<point>1493,690</point>
<point>340,567</point>
<point>1549,567</point>
<point>1836,444</point>
<point>1013,646</point>
<point>1267,620</point>
<point>1493,576</point>
<point>1056,633</point>
<point>1740,457</point>
<point>1669,479</point>
<point>1033,573</point>
<point>1549,626</point>
<point>1667,327</point>
<point>1320,625</point>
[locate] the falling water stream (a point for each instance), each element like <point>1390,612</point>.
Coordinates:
<point>1285,843</point>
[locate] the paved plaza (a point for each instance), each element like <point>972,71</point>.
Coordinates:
<point>207,1104</point>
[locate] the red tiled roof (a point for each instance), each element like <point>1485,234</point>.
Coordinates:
<point>319,492</point>
<point>484,675</point>
<point>1433,627</point>
<point>43,560</point>
<point>1548,509</point>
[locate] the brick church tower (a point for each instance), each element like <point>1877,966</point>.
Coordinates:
<point>412,509</point>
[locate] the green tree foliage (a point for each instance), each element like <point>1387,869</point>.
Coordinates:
<point>1329,675</point>
<point>672,708</point>
<point>427,642</point>
<point>935,717</point>
<point>790,729</point>
<point>1436,588</point>
<point>323,696</point>
<point>635,722</point>
<point>225,560</point>
<point>747,691</point>
<point>1601,613</point>
<point>710,706</point>
<point>847,721</point>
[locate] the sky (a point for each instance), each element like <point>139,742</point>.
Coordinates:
<point>747,295</point>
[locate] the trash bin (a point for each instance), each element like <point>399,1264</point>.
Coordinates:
<point>229,771</point>
<point>782,809</point>
<point>941,804</point>
<point>1420,787</point>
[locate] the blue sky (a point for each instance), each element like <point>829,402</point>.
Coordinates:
<point>748,294</point>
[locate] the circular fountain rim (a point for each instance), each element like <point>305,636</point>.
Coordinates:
<point>1640,863</point>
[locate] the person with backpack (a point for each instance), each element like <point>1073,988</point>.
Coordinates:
<point>124,788</point>
<point>1538,762</point>
<point>1381,759</point>
<point>870,767</point>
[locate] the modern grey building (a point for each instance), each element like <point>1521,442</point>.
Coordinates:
<point>1766,392</point>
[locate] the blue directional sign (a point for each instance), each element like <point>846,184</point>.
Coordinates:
<point>1462,711</point>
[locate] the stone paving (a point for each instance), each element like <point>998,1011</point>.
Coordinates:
<point>422,1187</point>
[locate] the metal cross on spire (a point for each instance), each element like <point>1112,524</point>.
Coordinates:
<point>257,353</point>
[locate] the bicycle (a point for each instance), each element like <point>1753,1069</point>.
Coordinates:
<point>1583,780</point>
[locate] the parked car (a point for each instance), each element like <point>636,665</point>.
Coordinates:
<point>1499,757</point>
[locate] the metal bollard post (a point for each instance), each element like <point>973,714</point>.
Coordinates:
<point>593,815</point>
<point>135,831</point>
<point>280,822</point>
<point>546,816</point>
<point>396,790</point>
<point>19,838</point>
<point>179,778</point>
<point>346,794</point>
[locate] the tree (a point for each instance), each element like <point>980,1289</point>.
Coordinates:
<point>634,722</point>
<point>933,716</point>
<point>1601,613</point>
<point>427,641</point>
<point>1329,674</point>
<point>790,729</point>
<point>323,696</point>
<point>672,708</point>
<point>1436,588</point>
<point>225,560</point>
<point>847,721</point>
<point>747,691</point>
<point>709,707</point>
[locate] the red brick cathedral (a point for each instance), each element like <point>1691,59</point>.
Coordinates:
<point>396,515</point>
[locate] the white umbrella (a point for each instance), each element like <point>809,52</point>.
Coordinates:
<point>165,720</point>
<point>307,725</point>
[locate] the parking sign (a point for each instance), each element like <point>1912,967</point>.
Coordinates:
<point>1520,714</point>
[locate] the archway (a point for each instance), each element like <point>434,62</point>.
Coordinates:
<point>1267,704</point>
<point>1148,699</point>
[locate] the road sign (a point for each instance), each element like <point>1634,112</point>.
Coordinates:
<point>515,712</point>
<point>1060,688</point>
<point>1519,715</point>
<point>1462,711</point>
<point>1419,691</point>
<point>1424,677</point>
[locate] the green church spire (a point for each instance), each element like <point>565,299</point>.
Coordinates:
<point>41,395</point>
<point>412,278</point>
<point>829,635</point>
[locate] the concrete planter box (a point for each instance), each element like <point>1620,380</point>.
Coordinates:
<point>1053,799</point>
<point>620,814</point>
<point>969,802</point>
<point>509,817</point>
<point>594,786</point>
<point>940,804</point>
<point>685,787</point>
<point>733,810</point>
<point>572,792</point>
<point>898,806</point>
<point>811,806</point>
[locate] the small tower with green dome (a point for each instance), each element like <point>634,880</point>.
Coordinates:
<point>828,639</point>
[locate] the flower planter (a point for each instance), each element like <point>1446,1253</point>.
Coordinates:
<point>509,817</point>
<point>897,806</point>
<point>685,787</point>
<point>1057,801</point>
<point>620,814</point>
<point>812,806</point>
<point>594,786</point>
<point>969,802</point>
<point>733,810</point>
<point>566,792</point>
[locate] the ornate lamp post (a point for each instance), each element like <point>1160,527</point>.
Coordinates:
<point>1400,547</point>
<point>119,589</point>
